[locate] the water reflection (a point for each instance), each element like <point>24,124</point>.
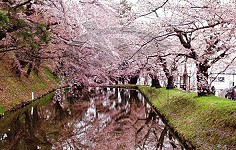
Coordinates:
<point>109,119</point>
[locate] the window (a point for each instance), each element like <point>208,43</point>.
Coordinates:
<point>221,79</point>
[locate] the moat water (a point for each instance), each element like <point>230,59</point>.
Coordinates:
<point>104,119</point>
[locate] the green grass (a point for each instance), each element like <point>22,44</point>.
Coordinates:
<point>209,122</point>
<point>17,90</point>
<point>49,74</point>
<point>1,110</point>
<point>5,123</point>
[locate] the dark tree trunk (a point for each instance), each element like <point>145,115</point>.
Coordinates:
<point>185,78</point>
<point>23,63</point>
<point>170,82</point>
<point>203,88</point>
<point>36,66</point>
<point>133,80</point>
<point>168,73</point>
<point>156,82</point>
<point>2,35</point>
<point>122,80</point>
<point>18,66</point>
<point>29,69</point>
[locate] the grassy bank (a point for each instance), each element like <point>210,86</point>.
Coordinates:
<point>15,90</point>
<point>208,122</point>
<point>6,122</point>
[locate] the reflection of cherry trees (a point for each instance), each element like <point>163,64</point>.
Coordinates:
<point>38,130</point>
<point>152,133</point>
<point>111,119</point>
<point>25,131</point>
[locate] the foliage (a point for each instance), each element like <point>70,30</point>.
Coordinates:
<point>34,38</point>
<point>98,42</point>
<point>1,110</point>
<point>145,37</point>
<point>27,36</point>
<point>43,33</point>
<point>18,23</point>
<point>4,20</point>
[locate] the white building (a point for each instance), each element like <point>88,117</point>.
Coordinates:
<point>223,81</point>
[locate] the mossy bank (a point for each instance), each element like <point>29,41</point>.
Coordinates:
<point>208,122</point>
<point>16,90</point>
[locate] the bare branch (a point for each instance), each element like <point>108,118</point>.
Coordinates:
<point>154,10</point>
<point>12,49</point>
<point>158,55</point>
<point>222,70</point>
<point>205,27</point>
<point>22,4</point>
<point>220,56</point>
<point>146,43</point>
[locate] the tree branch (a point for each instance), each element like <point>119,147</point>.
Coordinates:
<point>8,50</point>
<point>146,43</point>
<point>184,39</point>
<point>22,4</point>
<point>222,70</point>
<point>220,56</point>
<point>205,27</point>
<point>154,10</point>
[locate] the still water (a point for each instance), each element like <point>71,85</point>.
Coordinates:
<point>104,119</point>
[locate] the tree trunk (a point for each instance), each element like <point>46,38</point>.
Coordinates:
<point>203,88</point>
<point>168,73</point>
<point>29,69</point>
<point>18,67</point>
<point>170,82</point>
<point>185,78</point>
<point>155,82</point>
<point>36,66</point>
<point>133,80</point>
<point>3,34</point>
<point>122,80</point>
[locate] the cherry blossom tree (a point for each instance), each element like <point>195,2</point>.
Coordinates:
<point>94,46</point>
<point>100,41</point>
<point>207,39</point>
<point>76,40</point>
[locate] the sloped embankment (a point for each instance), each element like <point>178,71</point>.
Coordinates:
<point>208,122</point>
<point>14,90</point>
